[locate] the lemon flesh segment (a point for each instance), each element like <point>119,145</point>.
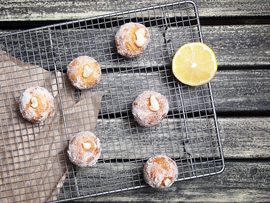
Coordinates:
<point>194,64</point>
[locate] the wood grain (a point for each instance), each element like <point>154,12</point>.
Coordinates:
<point>245,137</point>
<point>234,46</point>
<point>28,10</point>
<point>244,90</point>
<point>240,182</point>
<point>239,45</point>
<point>121,140</point>
<point>233,91</point>
<point>242,138</point>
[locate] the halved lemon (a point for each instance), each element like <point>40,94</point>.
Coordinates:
<point>194,64</point>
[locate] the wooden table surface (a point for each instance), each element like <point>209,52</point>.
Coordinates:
<point>239,33</point>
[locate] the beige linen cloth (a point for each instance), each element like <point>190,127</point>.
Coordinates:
<point>32,156</point>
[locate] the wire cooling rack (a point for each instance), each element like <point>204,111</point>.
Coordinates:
<point>189,134</point>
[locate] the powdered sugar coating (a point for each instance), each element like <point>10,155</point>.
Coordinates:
<point>142,112</point>
<point>125,39</point>
<point>158,170</point>
<point>75,72</point>
<point>44,108</point>
<point>80,156</point>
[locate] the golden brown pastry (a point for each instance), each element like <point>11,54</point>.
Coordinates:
<point>131,39</point>
<point>84,149</point>
<point>36,104</point>
<point>150,108</point>
<point>84,72</point>
<point>160,171</point>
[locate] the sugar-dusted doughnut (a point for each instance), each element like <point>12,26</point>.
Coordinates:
<point>84,149</point>
<point>36,104</point>
<point>84,72</point>
<point>131,39</point>
<point>160,171</point>
<point>150,108</point>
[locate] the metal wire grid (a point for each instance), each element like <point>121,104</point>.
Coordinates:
<point>189,134</point>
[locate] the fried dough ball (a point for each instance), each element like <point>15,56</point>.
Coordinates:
<point>36,104</point>
<point>84,149</point>
<point>84,72</point>
<point>131,39</point>
<point>160,171</point>
<point>150,108</point>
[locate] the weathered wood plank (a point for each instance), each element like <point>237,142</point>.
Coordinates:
<point>239,45</point>
<point>241,138</point>
<point>28,10</point>
<point>246,137</point>
<point>234,46</point>
<point>240,182</point>
<point>229,43</point>
<point>233,90</point>
<point>241,90</point>
<point>121,139</point>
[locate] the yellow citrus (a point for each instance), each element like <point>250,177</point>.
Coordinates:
<point>194,64</point>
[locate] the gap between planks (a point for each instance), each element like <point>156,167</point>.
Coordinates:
<point>65,10</point>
